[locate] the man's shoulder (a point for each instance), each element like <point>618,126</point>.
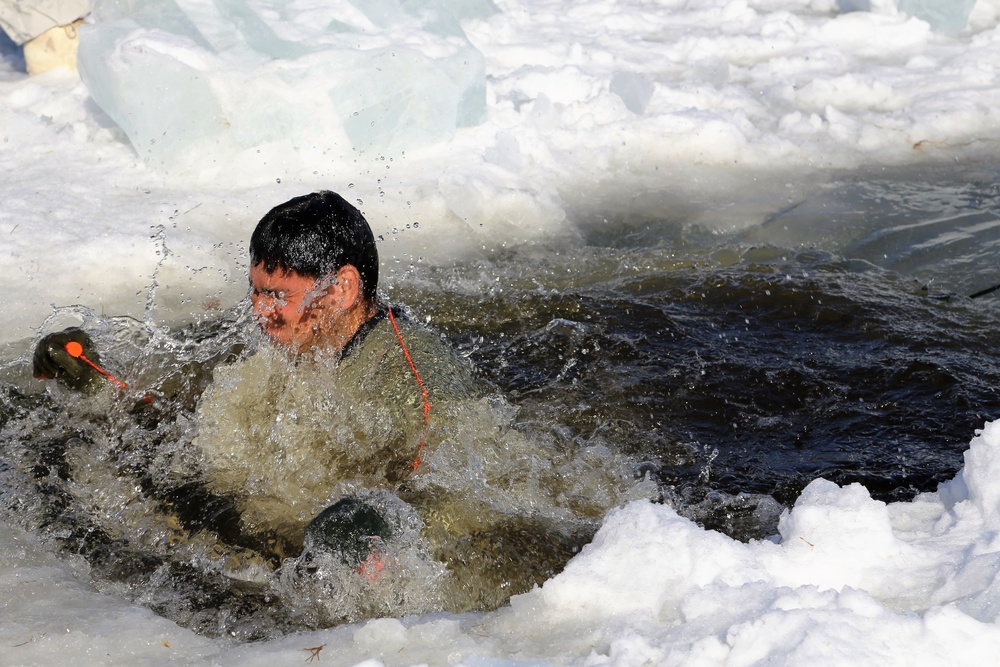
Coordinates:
<point>402,345</point>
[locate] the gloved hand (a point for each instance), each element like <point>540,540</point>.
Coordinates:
<point>348,529</point>
<point>54,362</point>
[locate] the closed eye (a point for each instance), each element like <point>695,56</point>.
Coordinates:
<point>267,293</point>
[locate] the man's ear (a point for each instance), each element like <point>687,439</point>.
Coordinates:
<point>347,288</point>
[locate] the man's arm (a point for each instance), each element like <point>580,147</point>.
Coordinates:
<point>198,509</point>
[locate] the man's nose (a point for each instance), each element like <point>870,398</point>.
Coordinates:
<point>263,305</point>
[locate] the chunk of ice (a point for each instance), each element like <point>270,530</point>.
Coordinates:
<point>192,83</point>
<point>634,89</point>
<point>944,16</point>
<point>874,6</point>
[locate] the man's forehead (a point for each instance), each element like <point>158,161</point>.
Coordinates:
<point>280,276</point>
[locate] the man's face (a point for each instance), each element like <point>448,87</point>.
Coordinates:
<point>288,307</point>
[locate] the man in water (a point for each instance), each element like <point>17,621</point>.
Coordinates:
<point>313,276</point>
<point>354,428</point>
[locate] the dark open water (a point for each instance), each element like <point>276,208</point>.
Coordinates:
<point>837,339</point>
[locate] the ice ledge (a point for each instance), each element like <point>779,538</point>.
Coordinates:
<point>190,82</point>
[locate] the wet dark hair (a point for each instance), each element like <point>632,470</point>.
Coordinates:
<point>315,235</point>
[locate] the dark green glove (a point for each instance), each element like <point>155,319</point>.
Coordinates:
<point>348,530</point>
<point>54,362</point>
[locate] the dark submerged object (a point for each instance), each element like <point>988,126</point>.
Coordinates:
<point>350,529</point>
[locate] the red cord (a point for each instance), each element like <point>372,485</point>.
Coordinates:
<point>74,349</point>
<point>423,390</point>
